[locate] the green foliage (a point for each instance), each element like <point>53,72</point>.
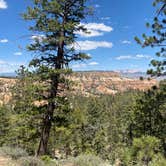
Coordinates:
<point>30,161</point>
<point>118,128</point>
<point>13,152</point>
<point>158,160</point>
<point>149,113</point>
<point>4,124</point>
<point>157,39</point>
<point>145,148</point>
<point>26,116</point>
<point>88,160</point>
<point>143,151</point>
<point>55,22</point>
<point>49,161</point>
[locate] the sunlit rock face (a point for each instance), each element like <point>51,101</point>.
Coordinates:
<point>89,83</point>
<point>96,83</point>
<point>5,89</point>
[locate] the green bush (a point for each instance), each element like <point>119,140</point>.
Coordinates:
<point>30,161</point>
<point>158,160</point>
<point>13,152</point>
<point>145,148</point>
<point>89,160</point>
<point>142,152</point>
<point>49,161</point>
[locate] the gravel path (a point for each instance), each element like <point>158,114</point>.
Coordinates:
<point>4,161</point>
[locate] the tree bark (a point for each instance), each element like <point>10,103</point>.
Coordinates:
<point>47,124</point>
<point>49,115</point>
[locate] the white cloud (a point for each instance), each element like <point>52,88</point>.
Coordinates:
<point>100,27</point>
<point>2,62</point>
<point>93,63</point>
<point>92,45</point>
<point>94,29</point>
<point>78,66</point>
<point>91,33</point>
<point>124,57</point>
<point>136,57</point>
<point>84,65</point>
<point>97,6</point>
<point>105,18</point>
<point>4,41</point>
<point>126,42</point>
<point>130,71</point>
<point>143,56</point>
<point>18,53</point>
<point>133,65</point>
<point>3,4</point>
<point>38,37</point>
<point>6,67</point>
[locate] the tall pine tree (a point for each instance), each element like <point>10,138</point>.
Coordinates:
<point>55,23</point>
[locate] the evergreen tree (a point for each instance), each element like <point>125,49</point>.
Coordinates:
<point>157,39</point>
<point>26,113</point>
<point>4,124</point>
<point>149,114</point>
<point>55,22</point>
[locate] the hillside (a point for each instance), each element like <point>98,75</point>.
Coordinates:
<point>90,83</point>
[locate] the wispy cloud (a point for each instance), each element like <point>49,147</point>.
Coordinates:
<point>18,53</point>
<point>136,57</point>
<point>126,42</point>
<point>129,71</point>
<point>105,18</point>
<point>91,33</point>
<point>92,45</point>
<point>96,5</point>
<point>4,40</point>
<point>79,66</point>
<point>3,4</point>
<point>38,37</point>
<point>2,62</point>
<point>84,65</point>
<point>94,29</point>
<point>93,63</point>
<point>6,67</point>
<point>126,27</point>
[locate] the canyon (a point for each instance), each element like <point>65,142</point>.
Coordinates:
<point>90,83</point>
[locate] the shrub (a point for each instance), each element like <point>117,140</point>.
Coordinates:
<point>14,153</point>
<point>158,160</point>
<point>49,161</point>
<point>145,148</point>
<point>30,161</point>
<point>143,151</point>
<point>89,160</point>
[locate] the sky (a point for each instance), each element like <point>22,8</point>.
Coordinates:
<point>110,42</point>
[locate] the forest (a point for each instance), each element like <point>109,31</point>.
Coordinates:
<point>44,124</point>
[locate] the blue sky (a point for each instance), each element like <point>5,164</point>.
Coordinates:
<point>111,41</point>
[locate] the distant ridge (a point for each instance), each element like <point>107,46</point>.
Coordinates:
<point>122,73</point>
<point>134,74</point>
<point>6,75</point>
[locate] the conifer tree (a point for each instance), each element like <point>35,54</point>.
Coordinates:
<point>157,39</point>
<point>54,24</point>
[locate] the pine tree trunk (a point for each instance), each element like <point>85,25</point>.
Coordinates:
<point>48,118</point>
<point>45,133</point>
